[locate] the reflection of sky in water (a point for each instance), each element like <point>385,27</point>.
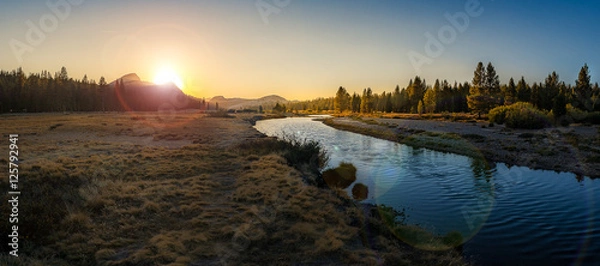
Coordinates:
<point>538,217</point>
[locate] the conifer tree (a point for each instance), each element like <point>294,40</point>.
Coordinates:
<point>559,107</point>
<point>342,100</point>
<point>510,94</point>
<point>485,89</point>
<point>583,90</point>
<point>523,91</point>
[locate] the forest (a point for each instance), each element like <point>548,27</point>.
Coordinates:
<point>481,95</point>
<point>46,92</point>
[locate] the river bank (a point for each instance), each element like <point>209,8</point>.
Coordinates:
<point>573,149</point>
<point>184,189</point>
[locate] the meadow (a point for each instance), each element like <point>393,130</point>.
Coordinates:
<point>190,189</point>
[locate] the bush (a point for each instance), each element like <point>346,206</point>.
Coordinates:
<point>360,191</point>
<point>577,114</point>
<point>342,176</point>
<point>580,116</point>
<point>297,152</point>
<point>498,115</point>
<point>519,115</point>
<point>593,118</point>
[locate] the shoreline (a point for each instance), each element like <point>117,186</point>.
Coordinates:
<point>565,149</point>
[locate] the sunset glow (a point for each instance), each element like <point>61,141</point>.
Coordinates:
<point>300,49</point>
<point>168,75</point>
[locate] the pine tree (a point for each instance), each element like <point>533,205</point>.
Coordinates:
<point>535,95</point>
<point>510,94</point>
<point>429,101</point>
<point>559,107</point>
<point>446,100</point>
<point>437,95</point>
<point>355,103</point>
<point>366,102</point>
<point>583,90</point>
<point>388,103</point>
<point>485,89</point>
<point>549,91</point>
<point>63,74</point>
<point>416,90</point>
<point>396,100</point>
<point>523,91</point>
<point>342,100</point>
<point>492,84</point>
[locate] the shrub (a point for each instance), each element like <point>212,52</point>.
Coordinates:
<point>309,152</point>
<point>342,176</point>
<point>296,152</point>
<point>519,115</point>
<point>577,114</point>
<point>498,115</point>
<point>360,191</point>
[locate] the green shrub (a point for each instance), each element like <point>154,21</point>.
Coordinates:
<point>498,115</point>
<point>577,114</point>
<point>519,115</point>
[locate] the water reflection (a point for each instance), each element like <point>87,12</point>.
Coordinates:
<point>538,217</point>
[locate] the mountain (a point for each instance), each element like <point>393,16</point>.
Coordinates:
<point>241,103</point>
<point>133,94</point>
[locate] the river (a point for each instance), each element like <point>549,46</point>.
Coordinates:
<point>506,215</point>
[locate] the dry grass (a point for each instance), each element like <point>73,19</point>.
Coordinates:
<point>141,189</point>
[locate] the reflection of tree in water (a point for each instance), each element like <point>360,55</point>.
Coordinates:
<point>476,213</point>
<point>483,173</point>
<point>481,169</point>
<point>414,235</point>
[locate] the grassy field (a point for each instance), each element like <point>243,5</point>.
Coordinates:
<point>188,189</point>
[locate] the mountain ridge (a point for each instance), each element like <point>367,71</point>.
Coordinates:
<point>135,94</point>
<point>242,103</point>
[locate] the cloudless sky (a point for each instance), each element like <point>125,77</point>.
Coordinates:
<point>302,50</point>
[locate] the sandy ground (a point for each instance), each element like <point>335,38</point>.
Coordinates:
<point>566,149</point>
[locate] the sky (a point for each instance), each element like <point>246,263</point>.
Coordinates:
<point>300,49</point>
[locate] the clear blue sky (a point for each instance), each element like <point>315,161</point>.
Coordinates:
<point>302,49</point>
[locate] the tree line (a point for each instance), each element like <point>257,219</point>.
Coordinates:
<point>47,92</point>
<point>480,96</point>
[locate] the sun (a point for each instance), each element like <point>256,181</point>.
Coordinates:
<point>168,75</point>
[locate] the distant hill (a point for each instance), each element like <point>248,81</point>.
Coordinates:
<point>241,103</point>
<point>136,95</point>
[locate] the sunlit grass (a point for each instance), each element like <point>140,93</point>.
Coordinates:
<point>117,189</point>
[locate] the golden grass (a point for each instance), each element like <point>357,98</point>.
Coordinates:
<point>123,189</point>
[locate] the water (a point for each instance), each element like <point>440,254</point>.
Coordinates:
<point>507,216</point>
